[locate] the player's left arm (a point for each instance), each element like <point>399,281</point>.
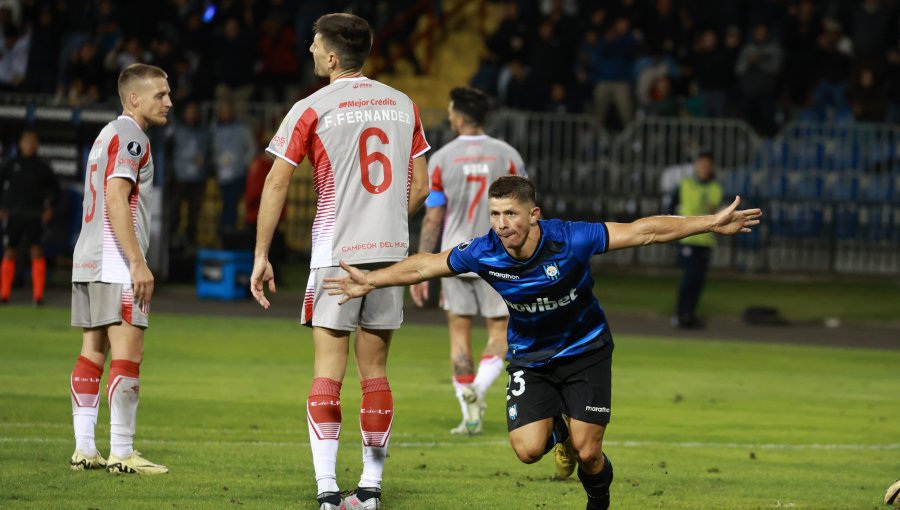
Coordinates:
<point>415,269</point>
<point>418,188</point>
<point>274,194</point>
<point>664,229</point>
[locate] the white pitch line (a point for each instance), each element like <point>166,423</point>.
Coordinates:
<point>481,443</point>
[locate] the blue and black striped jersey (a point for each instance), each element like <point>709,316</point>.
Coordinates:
<point>552,309</point>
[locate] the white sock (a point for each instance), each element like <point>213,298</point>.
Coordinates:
<point>324,453</point>
<point>488,370</point>
<point>323,415</point>
<point>373,466</point>
<point>458,388</point>
<point>124,395</point>
<point>84,422</point>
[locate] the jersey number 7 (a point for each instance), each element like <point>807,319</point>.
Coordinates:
<point>366,159</point>
<point>482,181</point>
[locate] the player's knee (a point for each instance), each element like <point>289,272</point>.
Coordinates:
<point>528,453</point>
<point>590,455</point>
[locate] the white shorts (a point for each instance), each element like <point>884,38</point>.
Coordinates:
<point>98,304</point>
<point>470,296</point>
<point>380,309</point>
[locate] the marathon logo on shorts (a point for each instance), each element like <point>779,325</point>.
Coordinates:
<point>134,148</point>
<point>551,271</point>
<point>597,409</point>
<point>543,304</point>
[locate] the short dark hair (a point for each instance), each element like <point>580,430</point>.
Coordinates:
<point>136,72</point>
<point>513,186</point>
<point>470,102</point>
<point>347,35</point>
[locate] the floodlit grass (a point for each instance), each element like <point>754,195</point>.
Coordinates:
<point>696,425</point>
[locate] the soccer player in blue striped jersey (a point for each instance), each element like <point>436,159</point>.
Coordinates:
<point>560,344</point>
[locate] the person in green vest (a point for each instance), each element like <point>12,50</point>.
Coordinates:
<point>696,194</point>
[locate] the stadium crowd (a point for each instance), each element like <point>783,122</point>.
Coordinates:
<point>765,61</point>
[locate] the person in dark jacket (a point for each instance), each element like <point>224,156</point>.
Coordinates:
<point>28,189</point>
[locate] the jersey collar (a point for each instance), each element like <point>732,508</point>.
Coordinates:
<point>353,78</point>
<point>131,119</point>
<point>472,137</point>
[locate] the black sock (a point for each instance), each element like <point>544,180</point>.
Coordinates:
<point>559,435</point>
<point>597,486</point>
<point>367,493</point>
<point>333,498</point>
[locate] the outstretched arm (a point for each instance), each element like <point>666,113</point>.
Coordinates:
<point>415,269</point>
<point>663,229</point>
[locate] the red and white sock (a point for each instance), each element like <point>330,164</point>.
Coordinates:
<point>323,412</point>
<point>85,387</point>
<point>489,369</point>
<point>123,389</point>
<point>460,383</point>
<point>376,414</point>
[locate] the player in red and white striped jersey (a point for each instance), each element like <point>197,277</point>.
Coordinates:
<point>461,172</point>
<point>365,142</point>
<point>111,283</point>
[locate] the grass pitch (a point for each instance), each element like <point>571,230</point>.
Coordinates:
<point>696,425</point>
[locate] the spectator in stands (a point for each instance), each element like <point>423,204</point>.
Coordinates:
<point>84,76</point>
<point>560,100</point>
<point>14,57</point>
<point>279,62</point>
<point>892,85</point>
<point>663,102</point>
<point>234,59</point>
<point>43,57</point>
<point>867,97</point>
<point>190,147</point>
<point>713,74</point>
<point>233,148</point>
<point>696,194</point>
<point>648,70</point>
<point>28,191</point>
<point>547,62</point>
<point>757,70</point>
<point>607,64</point>
<point>873,26</point>
<point>801,43</point>
<point>833,64</point>
<point>517,93</point>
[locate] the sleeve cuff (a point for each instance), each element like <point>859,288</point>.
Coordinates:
<point>280,156</point>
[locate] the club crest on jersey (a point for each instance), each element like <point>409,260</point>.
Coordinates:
<point>513,412</point>
<point>134,148</point>
<point>551,271</point>
<point>463,246</point>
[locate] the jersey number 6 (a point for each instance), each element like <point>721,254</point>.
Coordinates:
<point>90,214</point>
<point>366,159</point>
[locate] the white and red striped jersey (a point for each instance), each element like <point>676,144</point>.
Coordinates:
<point>462,171</point>
<point>361,137</point>
<point>121,150</point>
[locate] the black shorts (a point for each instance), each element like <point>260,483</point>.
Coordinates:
<point>579,386</point>
<point>17,227</point>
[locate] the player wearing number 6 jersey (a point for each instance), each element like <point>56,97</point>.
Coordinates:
<point>111,283</point>
<point>560,345</point>
<point>460,173</point>
<point>365,142</point>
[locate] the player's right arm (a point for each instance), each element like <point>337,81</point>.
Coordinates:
<point>418,188</point>
<point>428,240</point>
<point>274,194</point>
<point>118,209</point>
<point>415,269</point>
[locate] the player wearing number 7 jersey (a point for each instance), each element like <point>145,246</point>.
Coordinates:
<point>365,142</point>
<point>460,173</point>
